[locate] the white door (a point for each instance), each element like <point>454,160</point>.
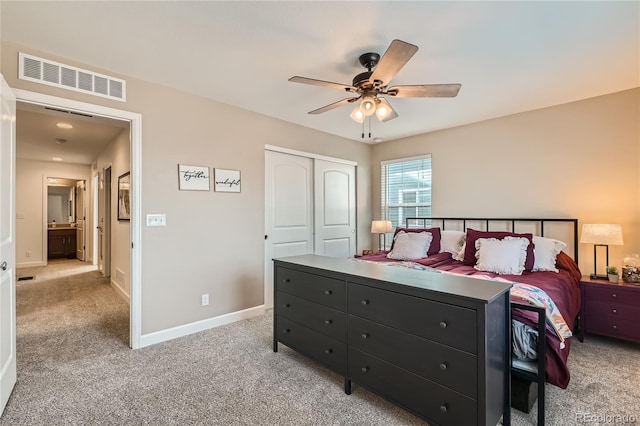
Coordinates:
<point>335,209</point>
<point>81,215</point>
<point>7,243</point>
<point>289,211</point>
<point>104,223</point>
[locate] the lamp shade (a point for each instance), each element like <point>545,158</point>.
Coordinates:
<point>601,233</point>
<point>381,226</point>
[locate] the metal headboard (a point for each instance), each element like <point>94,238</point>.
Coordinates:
<point>425,222</point>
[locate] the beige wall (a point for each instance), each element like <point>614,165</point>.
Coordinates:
<point>578,160</point>
<point>118,157</point>
<point>213,242</point>
<point>31,191</point>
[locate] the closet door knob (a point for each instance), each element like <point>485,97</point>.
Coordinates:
<point>328,292</point>
<point>364,369</point>
<point>443,324</point>
<point>286,305</point>
<point>365,335</point>
<point>444,366</point>
<point>365,302</point>
<point>328,351</point>
<point>444,407</point>
<point>328,321</point>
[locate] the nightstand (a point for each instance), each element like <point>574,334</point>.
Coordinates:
<point>611,309</point>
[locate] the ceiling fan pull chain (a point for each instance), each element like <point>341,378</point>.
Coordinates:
<point>369,127</point>
<point>362,129</point>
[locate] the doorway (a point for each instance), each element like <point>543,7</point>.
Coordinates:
<point>65,219</point>
<point>135,137</point>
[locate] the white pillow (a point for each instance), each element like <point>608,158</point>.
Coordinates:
<point>410,245</point>
<point>451,241</point>
<point>505,256</point>
<point>545,250</point>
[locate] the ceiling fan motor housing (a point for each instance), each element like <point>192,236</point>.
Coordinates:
<point>361,81</point>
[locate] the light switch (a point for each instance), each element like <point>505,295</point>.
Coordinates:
<point>156,220</point>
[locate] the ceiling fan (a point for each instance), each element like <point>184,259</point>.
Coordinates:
<point>371,86</point>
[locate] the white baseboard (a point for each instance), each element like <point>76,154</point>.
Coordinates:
<point>195,327</point>
<point>120,291</point>
<point>30,264</point>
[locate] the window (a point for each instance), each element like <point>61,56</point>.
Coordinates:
<point>406,189</point>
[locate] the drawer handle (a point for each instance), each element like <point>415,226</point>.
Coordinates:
<point>328,292</point>
<point>614,295</point>
<point>328,321</point>
<point>615,327</point>
<point>286,305</point>
<point>364,369</point>
<point>444,366</point>
<point>286,330</point>
<point>365,302</point>
<point>615,311</point>
<point>444,407</point>
<point>443,324</point>
<point>328,351</point>
<point>365,335</point>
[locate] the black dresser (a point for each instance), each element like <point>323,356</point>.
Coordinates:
<point>435,344</point>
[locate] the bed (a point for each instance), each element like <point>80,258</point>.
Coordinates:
<point>454,249</point>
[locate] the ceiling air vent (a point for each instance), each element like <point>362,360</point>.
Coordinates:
<point>56,74</point>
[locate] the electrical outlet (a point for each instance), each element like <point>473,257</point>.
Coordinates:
<point>28,253</point>
<point>205,299</point>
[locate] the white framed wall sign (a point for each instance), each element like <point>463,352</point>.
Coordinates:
<point>226,180</point>
<point>193,178</point>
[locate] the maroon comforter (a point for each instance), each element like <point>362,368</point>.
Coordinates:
<point>562,287</point>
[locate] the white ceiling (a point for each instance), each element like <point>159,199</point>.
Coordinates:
<point>39,138</point>
<point>509,56</point>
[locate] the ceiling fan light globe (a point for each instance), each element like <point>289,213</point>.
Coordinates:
<point>357,115</point>
<point>368,106</point>
<point>382,111</point>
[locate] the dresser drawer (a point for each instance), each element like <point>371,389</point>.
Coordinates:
<point>317,346</point>
<point>627,330</point>
<point>450,367</point>
<point>326,291</point>
<point>611,293</point>
<point>610,310</point>
<point>451,325</point>
<point>317,317</point>
<point>436,403</point>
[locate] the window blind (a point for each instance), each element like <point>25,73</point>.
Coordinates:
<point>405,189</point>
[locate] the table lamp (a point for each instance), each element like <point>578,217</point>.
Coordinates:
<point>381,227</point>
<point>602,235</point>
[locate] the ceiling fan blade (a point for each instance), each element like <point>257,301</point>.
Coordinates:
<point>321,83</point>
<point>333,105</point>
<point>425,91</point>
<point>396,56</point>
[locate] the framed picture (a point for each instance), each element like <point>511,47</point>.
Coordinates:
<point>226,180</point>
<point>193,178</point>
<point>124,197</point>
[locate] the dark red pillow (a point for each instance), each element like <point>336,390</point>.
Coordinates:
<point>473,235</point>
<point>434,248</point>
